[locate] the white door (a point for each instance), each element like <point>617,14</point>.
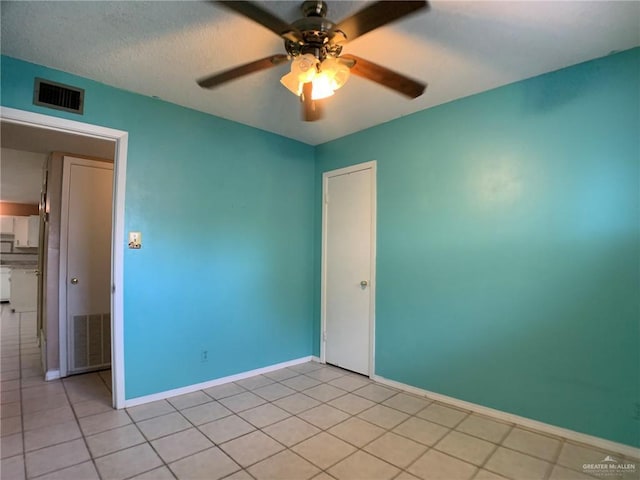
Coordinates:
<point>87,206</point>
<point>348,267</point>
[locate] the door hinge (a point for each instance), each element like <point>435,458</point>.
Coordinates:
<point>324,336</point>
<point>113,288</point>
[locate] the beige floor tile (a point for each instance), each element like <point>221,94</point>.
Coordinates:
<point>404,475</point>
<point>326,374</point>
<point>9,396</point>
<point>350,382</point>
<point>56,457</point>
<point>150,410</point>
<point>532,443</point>
<point>438,466</point>
<point>127,463</point>
<point>361,465</point>
<point>254,382</point>
<point>11,445</point>
<point>375,393</point>
<point>224,390</point>
<point>182,444</point>
<point>306,367</point>
<point>397,450</point>
<point>48,417</point>
<point>573,455</point>
<point>225,429</point>
<point>242,401</point>
<point>239,475</point>
<point>512,464</point>
<point>284,465</point>
<point>251,448</point>
<point>51,435</point>
<point>10,425</point>
<point>205,413</point>
<point>82,471</point>
<point>296,403</point>
<point>562,473</point>
<point>407,403</point>
<point>264,415</point>
<point>421,431</point>
<point>114,440</point>
<point>291,431</point>
<point>324,450</point>
<point>442,415</point>
<point>274,391</point>
<point>487,475</point>
<point>189,400</point>
<point>356,431</point>
<point>48,389</point>
<point>162,473</point>
<point>465,447</point>
<point>323,476</point>
<point>352,404</point>
<point>157,427</point>
<point>92,407</point>
<point>12,468</point>
<point>9,385</point>
<point>324,392</point>
<point>282,374</point>
<point>104,421</point>
<point>484,427</point>
<point>47,402</point>
<point>324,416</point>
<point>384,417</point>
<point>212,464</point>
<point>301,382</point>
<point>12,409</point>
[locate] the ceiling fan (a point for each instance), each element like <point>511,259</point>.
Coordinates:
<point>314,45</point>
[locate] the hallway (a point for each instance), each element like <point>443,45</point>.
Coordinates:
<point>47,412</point>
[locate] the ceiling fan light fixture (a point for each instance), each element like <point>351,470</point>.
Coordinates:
<point>326,77</point>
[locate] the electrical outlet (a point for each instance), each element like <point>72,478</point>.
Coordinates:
<point>204,356</point>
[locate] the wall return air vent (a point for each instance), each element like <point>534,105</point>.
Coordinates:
<point>59,96</point>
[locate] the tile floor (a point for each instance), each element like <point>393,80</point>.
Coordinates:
<point>303,422</point>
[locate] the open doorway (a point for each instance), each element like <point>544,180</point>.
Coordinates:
<point>55,138</point>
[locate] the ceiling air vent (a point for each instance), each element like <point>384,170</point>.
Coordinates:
<point>59,96</point>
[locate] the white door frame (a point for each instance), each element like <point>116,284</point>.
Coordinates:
<point>121,139</point>
<point>372,165</point>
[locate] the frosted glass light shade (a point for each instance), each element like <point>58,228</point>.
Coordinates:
<point>326,77</point>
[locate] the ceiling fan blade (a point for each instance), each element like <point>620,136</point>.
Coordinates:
<point>379,74</point>
<point>267,19</point>
<point>376,15</point>
<point>311,110</point>
<point>242,70</point>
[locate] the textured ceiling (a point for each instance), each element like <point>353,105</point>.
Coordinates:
<point>458,48</point>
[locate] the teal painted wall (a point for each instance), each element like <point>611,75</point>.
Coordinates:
<point>226,214</point>
<point>508,246</point>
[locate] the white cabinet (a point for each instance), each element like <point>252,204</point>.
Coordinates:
<point>26,230</point>
<point>24,290</point>
<point>5,284</point>
<point>6,224</point>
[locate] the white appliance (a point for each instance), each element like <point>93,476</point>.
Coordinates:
<point>5,284</point>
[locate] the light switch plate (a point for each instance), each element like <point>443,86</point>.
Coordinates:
<point>135,240</point>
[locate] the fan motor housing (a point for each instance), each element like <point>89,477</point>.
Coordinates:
<point>320,38</point>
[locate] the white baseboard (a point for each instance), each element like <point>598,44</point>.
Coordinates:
<point>132,402</point>
<point>52,375</point>
<point>601,443</point>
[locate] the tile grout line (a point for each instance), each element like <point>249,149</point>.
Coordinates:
<point>84,439</point>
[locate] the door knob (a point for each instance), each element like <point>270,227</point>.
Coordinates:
<point>74,281</point>
<point>364,283</point>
